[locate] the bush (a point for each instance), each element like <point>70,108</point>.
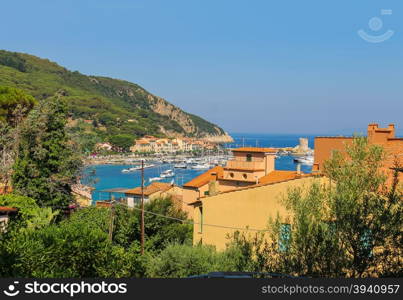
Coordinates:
<point>69,249</point>
<point>178,260</point>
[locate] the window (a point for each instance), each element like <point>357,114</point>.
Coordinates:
<point>248,157</point>
<point>200,219</point>
<point>206,193</point>
<point>366,243</point>
<point>245,176</point>
<point>284,238</point>
<point>231,175</point>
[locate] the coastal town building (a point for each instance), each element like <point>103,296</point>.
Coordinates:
<point>103,146</point>
<point>246,210</point>
<point>82,194</point>
<point>385,137</point>
<point>247,192</point>
<point>166,145</point>
<point>153,191</point>
<point>250,166</point>
<point>244,193</point>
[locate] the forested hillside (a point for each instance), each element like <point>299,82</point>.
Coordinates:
<point>100,107</point>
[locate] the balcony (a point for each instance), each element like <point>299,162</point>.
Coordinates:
<point>238,164</point>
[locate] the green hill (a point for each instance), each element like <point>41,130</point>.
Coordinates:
<point>104,106</point>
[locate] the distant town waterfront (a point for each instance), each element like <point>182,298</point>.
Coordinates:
<point>110,176</point>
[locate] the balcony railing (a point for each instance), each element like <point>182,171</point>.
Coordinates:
<point>252,159</point>
<point>242,164</point>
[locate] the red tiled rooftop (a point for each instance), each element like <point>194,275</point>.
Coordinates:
<point>278,176</point>
<point>7,209</point>
<point>255,150</point>
<point>206,177</point>
<point>151,189</point>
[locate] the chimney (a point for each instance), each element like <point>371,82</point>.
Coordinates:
<point>371,131</point>
<point>391,127</point>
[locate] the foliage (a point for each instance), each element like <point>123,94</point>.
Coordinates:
<point>80,247</point>
<point>46,163</point>
<point>367,210</point>
<point>178,260</point>
<point>69,249</point>
<point>348,227</point>
<point>122,141</point>
<point>204,126</point>
<point>30,215</point>
<point>10,99</point>
<point>161,231</point>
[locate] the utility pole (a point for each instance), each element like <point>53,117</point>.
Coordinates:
<point>112,217</point>
<point>142,208</point>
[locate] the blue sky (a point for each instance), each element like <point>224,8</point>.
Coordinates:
<point>249,66</point>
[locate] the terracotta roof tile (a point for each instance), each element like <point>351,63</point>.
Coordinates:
<point>270,179</point>
<point>255,149</point>
<point>278,176</point>
<point>7,209</point>
<point>150,189</point>
<point>206,177</point>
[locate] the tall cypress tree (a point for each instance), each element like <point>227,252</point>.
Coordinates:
<point>46,163</point>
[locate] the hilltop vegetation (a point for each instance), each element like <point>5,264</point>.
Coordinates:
<point>101,107</point>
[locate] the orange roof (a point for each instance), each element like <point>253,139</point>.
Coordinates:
<point>254,149</point>
<point>278,176</point>
<point>206,177</point>
<point>142,142</point>
<point>103,204</point>
<point>273,177</point>
<point>7,209</point>
<point>151,189</point>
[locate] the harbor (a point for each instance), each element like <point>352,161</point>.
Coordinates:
<point>124,171</point>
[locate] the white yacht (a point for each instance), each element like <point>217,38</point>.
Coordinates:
<point>167,174</point>
<point>180,166</point>
<point>154,179</point>
<point>136,168</point>
<point>201,166</point>
<point>305,160</point>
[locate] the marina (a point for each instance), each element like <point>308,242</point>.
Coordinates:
<point>111,176</point>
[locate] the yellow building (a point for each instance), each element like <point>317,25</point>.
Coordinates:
<point>241,196</point>
<point>246,210</point>
<point>156,190</point>
<point>250,166</point>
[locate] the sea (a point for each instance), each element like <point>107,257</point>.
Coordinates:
<point>105,177</point>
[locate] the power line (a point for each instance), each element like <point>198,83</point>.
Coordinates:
<point>196,223</point>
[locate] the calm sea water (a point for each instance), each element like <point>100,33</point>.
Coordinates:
<point>110,176</point>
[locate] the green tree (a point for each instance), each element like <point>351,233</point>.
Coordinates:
<point>122,141</point>
<point>161,231</point>
<point>347,224</point>
<point>46,163</point>
<point>68,249</point>
<point>30,216</point>
<point>367,210</point>
<point>107,119</point>
<point>177,261</point>
<point>10,99</point>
